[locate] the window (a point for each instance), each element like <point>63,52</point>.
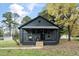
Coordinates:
<point>48,35</point>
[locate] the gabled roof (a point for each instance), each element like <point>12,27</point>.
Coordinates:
<point>36,19</point>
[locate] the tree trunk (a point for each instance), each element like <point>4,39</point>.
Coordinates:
<point>10,30</point>
<point>69,33</point>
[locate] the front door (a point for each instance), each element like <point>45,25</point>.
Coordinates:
<point>42,35</point>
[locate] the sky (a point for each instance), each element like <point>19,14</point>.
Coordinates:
<point>22,9</point>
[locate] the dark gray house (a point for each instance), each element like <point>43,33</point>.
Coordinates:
<point>39,29</point>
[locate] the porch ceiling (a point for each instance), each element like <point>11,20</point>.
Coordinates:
<point>40,27</point>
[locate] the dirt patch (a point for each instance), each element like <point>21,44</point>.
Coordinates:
<point>64,45</point>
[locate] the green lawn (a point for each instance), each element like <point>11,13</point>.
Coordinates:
<point>38,52</point>
<point>64,48</point>
<point>7,43</point>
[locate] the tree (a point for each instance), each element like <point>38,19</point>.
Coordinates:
<point>1,32</point>
<point>47,16</point>
<point>66,16</point>
<point>11,23</point>
<point>25,19</point>
<point>8,21</point>
<point>15,28</point>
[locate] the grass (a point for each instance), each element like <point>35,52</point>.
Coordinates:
<point>38,53</point>
<point>7,43</point>
<point>64,48</point>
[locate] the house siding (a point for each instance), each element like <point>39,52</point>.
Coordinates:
<point>41,23</point>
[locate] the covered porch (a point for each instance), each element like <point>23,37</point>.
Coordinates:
<point>47,34</point>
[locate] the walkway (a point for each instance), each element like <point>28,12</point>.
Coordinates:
<point>20,47</point>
